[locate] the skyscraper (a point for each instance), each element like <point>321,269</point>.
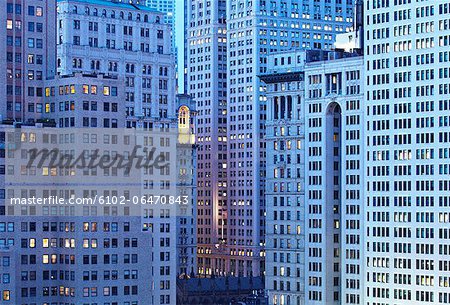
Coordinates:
<point>164,6</point>
<point>207,84</point>
<point>406,193</point>
<point>314,144</point>
<point>254,30</point>
<point>285,183</point>
<point>138,45</point>
<point>96,254</point>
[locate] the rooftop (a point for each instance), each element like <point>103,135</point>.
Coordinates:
<point>116,4</point>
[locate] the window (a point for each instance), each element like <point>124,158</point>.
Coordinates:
<point>6,295</point>
<point>76,40</point>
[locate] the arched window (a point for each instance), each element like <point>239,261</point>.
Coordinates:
<point>113,14</point>
<point>130,16</point>
<point>183,117</point>
<point>146,18</point>
<point>104,13</point>
<point>86,10</point>
<point>158,19</point>
<point>95,13</point>
<point>75,9</point>
<point>138,17</point>
<point>121,15</point>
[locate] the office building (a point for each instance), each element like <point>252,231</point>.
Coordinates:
<point>285,181</point>
<point>256,29</point>
<point>96,254</point>
<point>334,179</point>
<point>207,84</point>
<point>85,100</point>
<point>167,7</point>
<point>407,136</point>
<point>138,47</point>
<point>314,145</point>
<point>27,56</point>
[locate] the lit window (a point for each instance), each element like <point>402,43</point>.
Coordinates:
<point>86,89</point>
<point>45,243</point>
<point>39,11</point>
<point>32,243</point>
<point>105,90</point>
<point>9,24</point>
<point>93,89</point>
<point>6,295</point>
<point>45,259</point>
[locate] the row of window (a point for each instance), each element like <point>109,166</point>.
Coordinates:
<point>112,14</point>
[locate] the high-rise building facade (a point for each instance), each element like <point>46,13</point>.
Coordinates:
<point>207,84</point>
<point>167,7</point>
<point>138,45</point>
<point>27,56</point>
<point>254,30</point>
<point>285,181</point>
<point>406,194</point>
<point>334,147</point>
<point>314,178</point>
<point>95,254</point>
<point>187,186</point>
